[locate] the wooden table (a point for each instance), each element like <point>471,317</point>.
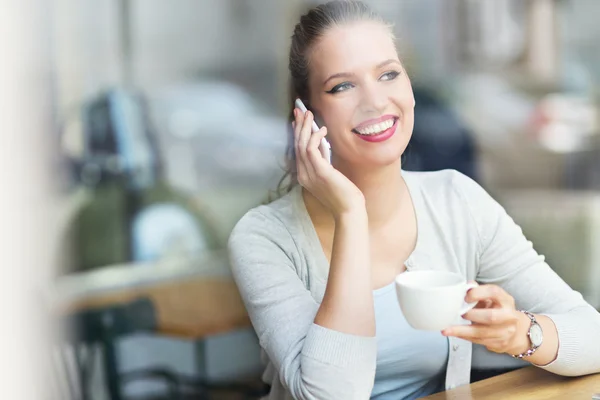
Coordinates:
<point>526,383</point>
<point>194,308</point>
<point>193,298</point>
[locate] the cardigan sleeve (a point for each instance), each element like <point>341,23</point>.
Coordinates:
<point>507,259</point>
<point>313,362</point>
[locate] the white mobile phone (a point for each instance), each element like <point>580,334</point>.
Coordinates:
<point>324,147</point>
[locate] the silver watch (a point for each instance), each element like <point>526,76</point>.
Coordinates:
<point>535,334</point>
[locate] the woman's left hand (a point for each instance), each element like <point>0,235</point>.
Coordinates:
<point>496,324</point>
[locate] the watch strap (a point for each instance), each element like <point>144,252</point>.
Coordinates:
<point>533,347</point>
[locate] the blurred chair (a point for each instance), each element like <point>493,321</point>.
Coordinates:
<point>100,327</point>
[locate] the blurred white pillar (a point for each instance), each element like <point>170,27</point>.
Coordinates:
<point>543,49</point>
<point>25,132</point>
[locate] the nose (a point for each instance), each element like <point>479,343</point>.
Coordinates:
<point>374,98</point>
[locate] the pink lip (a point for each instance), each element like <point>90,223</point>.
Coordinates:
<point>374,121</point>
<point>385,135</point>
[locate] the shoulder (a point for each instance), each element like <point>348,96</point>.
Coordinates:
<point>272,226</point>
<point>439,181</point>
<point>266,245</point>
<point>455,200</point>
<point>449,184</point>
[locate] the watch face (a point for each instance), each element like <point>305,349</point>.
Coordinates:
<point>535,335</point>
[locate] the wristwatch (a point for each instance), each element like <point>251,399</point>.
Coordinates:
<point>535,334</point>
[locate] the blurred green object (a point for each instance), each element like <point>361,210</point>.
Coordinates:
<point>101,231</point>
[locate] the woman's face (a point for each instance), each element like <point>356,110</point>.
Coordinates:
<point>362,94</point>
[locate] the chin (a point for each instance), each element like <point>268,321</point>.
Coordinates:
<point>389,153</point>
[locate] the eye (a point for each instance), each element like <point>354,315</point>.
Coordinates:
<point>390,76</point>
<point>342,87</point>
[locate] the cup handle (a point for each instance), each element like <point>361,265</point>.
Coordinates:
<point>468,306</point>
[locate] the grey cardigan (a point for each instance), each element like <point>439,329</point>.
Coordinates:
<point>281,271</point>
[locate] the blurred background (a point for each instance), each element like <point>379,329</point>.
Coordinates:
<point>158,124</point>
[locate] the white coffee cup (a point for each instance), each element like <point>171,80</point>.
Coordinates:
<point>432,300</point>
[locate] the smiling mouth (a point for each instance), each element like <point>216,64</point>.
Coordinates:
<point>376,129</point>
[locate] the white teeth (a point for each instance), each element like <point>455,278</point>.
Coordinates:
<point>377,128</point>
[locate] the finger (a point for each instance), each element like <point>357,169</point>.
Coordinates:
<point>315,139</point>
<point>492,292</point>
<point>325,149</point>
<point>490,316</point>
<point>303,141</point>
<point>475,333</point>
<point>306,131</point>
<point>314,155</point>
<point>300,119</point>
<point>302,174</point>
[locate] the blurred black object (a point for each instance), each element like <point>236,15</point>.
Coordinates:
<point>582,168</point>
<point>119,144</point>
<point>479,374</point>
<point>120,160</point>
<point>103,326</point>
<point>439,140</point>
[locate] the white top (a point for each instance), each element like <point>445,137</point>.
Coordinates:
<point>281,271</point>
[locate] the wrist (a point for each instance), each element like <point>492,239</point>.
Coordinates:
<point>357,214</point>
<point>521,342</point>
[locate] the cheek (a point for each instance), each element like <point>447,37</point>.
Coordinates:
<point>403,95</point>
<point>338,118</point>
<point>408,120</point>
<point>403,89</point>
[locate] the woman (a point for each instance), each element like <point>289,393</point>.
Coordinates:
<point>316,267</point>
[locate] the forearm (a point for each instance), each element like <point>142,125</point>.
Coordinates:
<point>347,305</point>
<point>574,335</point>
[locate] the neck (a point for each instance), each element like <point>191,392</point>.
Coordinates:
<point>382,188</point>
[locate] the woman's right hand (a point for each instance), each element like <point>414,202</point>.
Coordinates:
<point>332,188</point>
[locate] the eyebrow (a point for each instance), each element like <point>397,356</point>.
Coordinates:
<point>347,74</point>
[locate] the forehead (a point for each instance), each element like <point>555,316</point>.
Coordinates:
<point>351,47</point>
